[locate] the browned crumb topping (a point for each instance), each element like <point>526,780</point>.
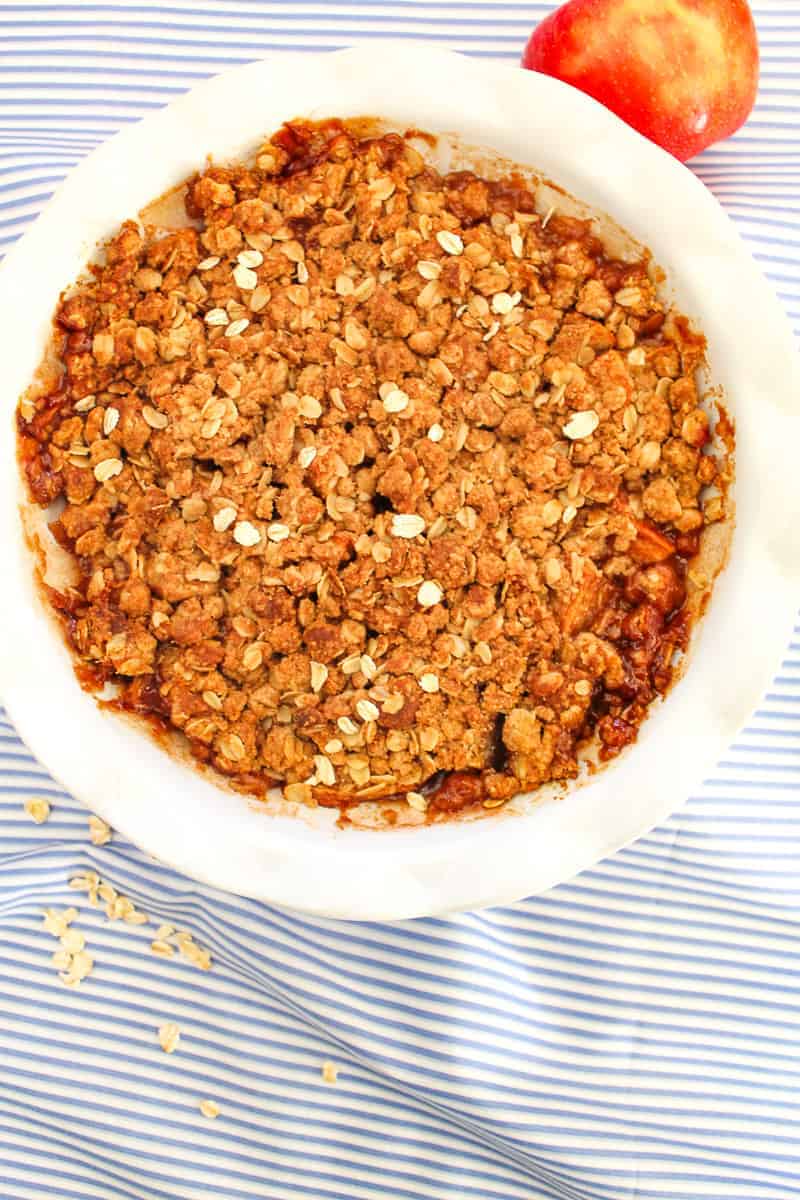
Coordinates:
<point>375,475</point>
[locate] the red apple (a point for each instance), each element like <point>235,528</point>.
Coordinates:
<point>682,72</point>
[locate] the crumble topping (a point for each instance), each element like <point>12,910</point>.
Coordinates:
<point>378,483</point>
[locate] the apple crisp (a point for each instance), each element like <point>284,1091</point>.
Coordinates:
<point>378,482</point>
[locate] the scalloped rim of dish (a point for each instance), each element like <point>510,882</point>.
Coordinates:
<point>218,836</point>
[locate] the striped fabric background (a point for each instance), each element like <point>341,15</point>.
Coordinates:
<point>631,1035</point>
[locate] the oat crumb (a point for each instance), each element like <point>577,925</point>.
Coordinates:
<point>169,1035</point>
<point>37,808</point>
<point>56,922</point>
<point>330,1072</point>
<point>99,831</point>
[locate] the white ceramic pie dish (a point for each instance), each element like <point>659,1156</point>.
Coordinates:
<point>307,862</point>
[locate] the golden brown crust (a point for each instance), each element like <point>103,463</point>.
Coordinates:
<point>376,475</point>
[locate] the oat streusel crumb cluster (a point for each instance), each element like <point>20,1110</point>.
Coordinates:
<point>378,481</point>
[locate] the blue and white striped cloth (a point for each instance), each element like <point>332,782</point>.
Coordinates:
<point>631,1034</point>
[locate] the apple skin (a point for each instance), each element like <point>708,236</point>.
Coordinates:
<point>682,72</point>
